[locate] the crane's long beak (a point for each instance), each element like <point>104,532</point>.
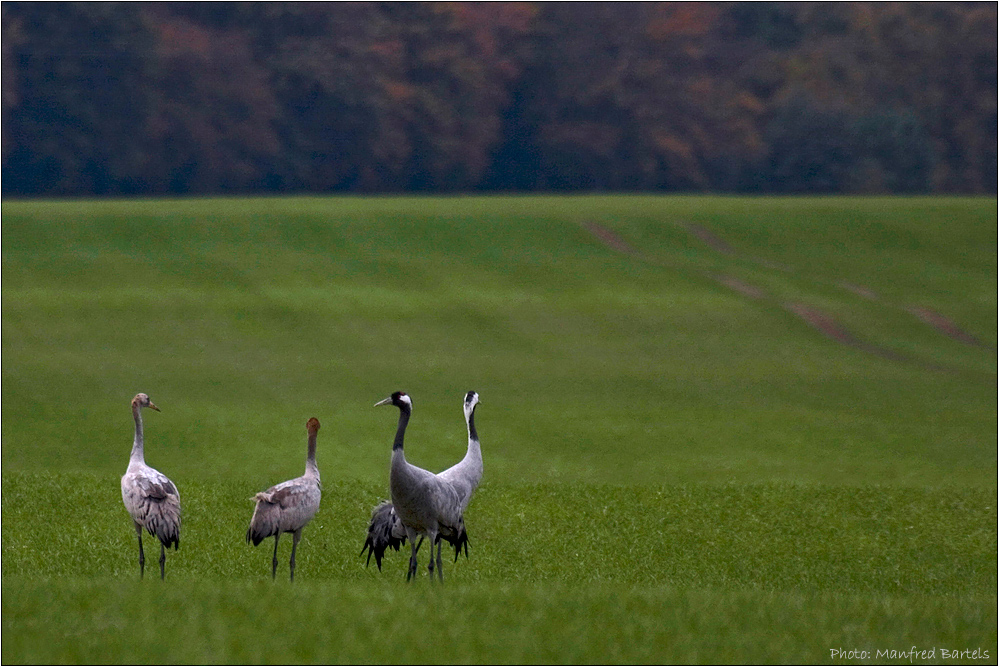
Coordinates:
<point>153,406</point>
<point>386,401</point>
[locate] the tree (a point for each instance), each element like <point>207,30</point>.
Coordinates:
<point>75,98</point>
<point>211,125</point>
<point>631,96</point>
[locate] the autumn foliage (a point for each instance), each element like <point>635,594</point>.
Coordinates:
<point>150,98</point>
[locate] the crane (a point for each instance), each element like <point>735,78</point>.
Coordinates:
<point>149,496</point>
<point>465,475</point>
<point>424,504</point>
<point>386,531</point>
<point>287,507</point>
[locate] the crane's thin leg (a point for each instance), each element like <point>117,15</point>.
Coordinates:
<point>440,568</point>
<point>142,555</point>
<point>412,559</point>
<point>162,562</point>
<point>418,545</point>
<point>295,537</point>
<point>274,560</point>
<point>430,567</point>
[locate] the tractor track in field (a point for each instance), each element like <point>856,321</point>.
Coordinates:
<point>820,321</point>
<point>610,238</point>
<point>944,325</point>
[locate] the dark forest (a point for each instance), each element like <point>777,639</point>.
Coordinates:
<point>201,98</point>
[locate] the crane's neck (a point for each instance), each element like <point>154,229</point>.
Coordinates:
<point>474,449</point>
<point>472,433</point>
<point>311,470</point>
<point>400,432</point>
<point>137,454</point>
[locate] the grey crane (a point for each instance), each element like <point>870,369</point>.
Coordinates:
<point>425,505</point>
<point>465,475</point>
<point>149,496</point>
<point>386,530</point>
<point>287,507</point>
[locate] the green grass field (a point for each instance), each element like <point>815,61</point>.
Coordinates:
<point>676,470</point>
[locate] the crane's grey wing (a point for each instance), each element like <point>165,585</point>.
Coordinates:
<point>464,476</point>
<point>265,521</point>
<point>154,503</point>
<point>451,521</point>
<point>445,500</point>
<point>158,487</point>
<point>412,495</point>
<point>286,507</point>
<point>461,482</point>
<point>384,532</point>
<point>423,500</point>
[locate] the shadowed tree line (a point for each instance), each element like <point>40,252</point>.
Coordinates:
<point>150,98</point>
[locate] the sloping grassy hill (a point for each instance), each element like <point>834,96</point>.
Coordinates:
<point>715,429</point>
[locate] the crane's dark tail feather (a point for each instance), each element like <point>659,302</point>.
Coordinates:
<point>380,534</point>
<point>170,540</point>
<point>254,538</point>
<point>458,541</point>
